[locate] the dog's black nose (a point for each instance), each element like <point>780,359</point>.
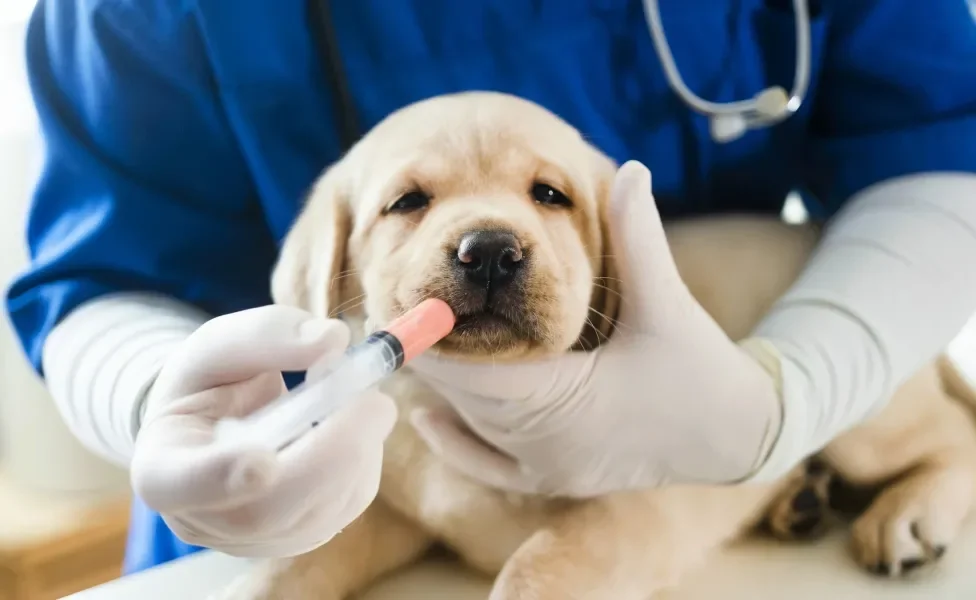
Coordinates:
<point>489,258</point>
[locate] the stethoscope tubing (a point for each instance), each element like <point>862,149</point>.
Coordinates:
<point>748,108</point>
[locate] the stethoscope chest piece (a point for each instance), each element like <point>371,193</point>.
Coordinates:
<point>770,106</point>
<point>730,121</point>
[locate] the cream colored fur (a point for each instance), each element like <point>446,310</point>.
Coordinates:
<point>478,155</point>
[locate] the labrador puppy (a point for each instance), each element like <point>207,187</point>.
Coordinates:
<point>463,178</point>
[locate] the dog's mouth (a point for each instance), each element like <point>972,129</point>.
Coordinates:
<point>485,321</point>
<point>489,329</point>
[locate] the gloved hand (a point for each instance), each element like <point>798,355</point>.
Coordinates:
<point>243,500</point>
<point>669,399</point>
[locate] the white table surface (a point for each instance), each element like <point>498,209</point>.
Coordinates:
<point>756,570</point>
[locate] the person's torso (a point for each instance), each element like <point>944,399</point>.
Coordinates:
<point>592,62</point>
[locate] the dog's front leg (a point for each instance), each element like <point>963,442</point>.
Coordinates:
<point>378,542</point>
<point>921,449</point>
<point>628,546</point>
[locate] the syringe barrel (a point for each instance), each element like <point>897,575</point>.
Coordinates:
<point>286,418</point>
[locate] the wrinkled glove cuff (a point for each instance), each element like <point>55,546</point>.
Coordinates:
<point>784,443</point>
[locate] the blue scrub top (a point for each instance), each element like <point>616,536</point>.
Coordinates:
<point>182,134</point>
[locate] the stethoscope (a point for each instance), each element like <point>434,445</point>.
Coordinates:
<point>727,121</point>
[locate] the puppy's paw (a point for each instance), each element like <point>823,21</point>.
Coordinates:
<point>911,524</point>
<point>800,511</point>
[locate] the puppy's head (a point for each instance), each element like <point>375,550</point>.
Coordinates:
<point>484,200</point>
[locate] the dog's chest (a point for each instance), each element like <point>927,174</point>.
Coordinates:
<point>485,526</point>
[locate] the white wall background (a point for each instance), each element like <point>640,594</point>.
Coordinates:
<point>35,447</point>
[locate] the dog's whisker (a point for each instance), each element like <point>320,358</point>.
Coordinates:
<point>582,339</point>
<point>596,330</point>
<point>609,289</point>
<point>338,277</point>
<point>614,324</point>
<point>342,276</point>
<point>347,305</point>
<point>354,306</point>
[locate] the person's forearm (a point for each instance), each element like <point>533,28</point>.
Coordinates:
<point>100,361</point>
<point>890,285</point>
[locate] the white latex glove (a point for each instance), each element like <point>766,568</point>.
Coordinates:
<point>669,399</point>
<point>243,500</point>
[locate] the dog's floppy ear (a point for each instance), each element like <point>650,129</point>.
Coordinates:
<point>605,300</point>
<point>311,271</point>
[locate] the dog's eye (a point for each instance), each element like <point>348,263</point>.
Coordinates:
<point>409,202</point>
<point>546,194</point>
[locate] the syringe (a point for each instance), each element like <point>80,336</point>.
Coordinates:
<point>287,418</point>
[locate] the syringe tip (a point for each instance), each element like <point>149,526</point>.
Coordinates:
<point>422,326</point>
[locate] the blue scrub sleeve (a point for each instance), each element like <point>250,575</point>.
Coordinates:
<point>897,95</point>
<point>142,186</point>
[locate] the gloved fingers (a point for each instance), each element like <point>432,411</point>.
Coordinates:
<point>259,549</point>
<point>321,367</point>
<point>306,535</point>
<point>500,392</point>
<point>323,481</point>
<point>202,529</point>
<point>452,442</point>
<point>299,514</point>
<point>358,493</point>
<point>648,274</point>
<point>299,528</point>
<point>241,345</point>
<point>318,470</point>
<point>232,400</point>
<point>173,472</point>
<point>177,467</point>
<point>244,397</point>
